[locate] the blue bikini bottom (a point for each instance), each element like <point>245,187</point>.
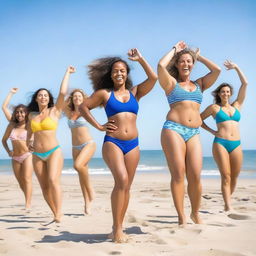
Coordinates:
<point>45,155</point>
<point>125,145</point>
<point>229,145</point>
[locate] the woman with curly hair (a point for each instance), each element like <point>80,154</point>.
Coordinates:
<point>16,131</point>
<point>226,146</point>
<point>180,133</point>
<point>83,146</point>
<point>113,89</point>
<point>47,155</point>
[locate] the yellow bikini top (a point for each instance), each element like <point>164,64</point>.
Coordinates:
<point>46,124</point>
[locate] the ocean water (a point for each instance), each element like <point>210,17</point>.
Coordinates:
<point>152,161</point>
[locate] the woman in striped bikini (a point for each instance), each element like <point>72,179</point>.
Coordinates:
<point>180,133</point>
<point>83,146</point>
<point>16,131</point>
<point>226,146</point>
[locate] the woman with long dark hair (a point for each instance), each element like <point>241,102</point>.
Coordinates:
<point>113,89</point>
<point>226,147</point>
<point>180,134</point>
<point>16,131</point>
<point>47,155</point>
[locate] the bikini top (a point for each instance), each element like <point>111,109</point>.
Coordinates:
<point>222,116</point>
<point>115,106</point>
<point>79,122</point>
<point>179,94</point>
<point>19,136</point>
<point>46,124</point>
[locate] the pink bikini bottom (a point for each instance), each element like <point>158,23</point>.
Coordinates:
<point>22,157</point>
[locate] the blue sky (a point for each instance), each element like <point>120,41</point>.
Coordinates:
<point>39,39</point>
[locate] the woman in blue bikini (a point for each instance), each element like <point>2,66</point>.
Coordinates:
<point>47,155</point>
<point>113,90</point>
<point>226,147</point>
<point>83,146</point>
<point>180,133</point>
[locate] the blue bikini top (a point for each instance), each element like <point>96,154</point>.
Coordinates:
<point>79,122</point>
<point>222,116</point>
<point>179,94</point>
<point>115,106</point>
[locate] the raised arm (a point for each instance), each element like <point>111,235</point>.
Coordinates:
<point>205,114</point>
<point>5,138</point>
<point>146,86</point>
<point>208,80</point>
<point>242,90</point>
<point>6,102</point>
<point>167,81</point>
<point>60,103</point>
<point>95,100</point>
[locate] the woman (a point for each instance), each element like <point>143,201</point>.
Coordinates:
<point>47,156</point>
<point>180,133</point>
<point>83,146</point>
<point>16,131</point>
<point>113,90</point>
<point>226,146</point>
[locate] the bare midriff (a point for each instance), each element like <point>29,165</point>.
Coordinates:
<point>228,130</point>
<point>186,113</point>
<point>126,126</point>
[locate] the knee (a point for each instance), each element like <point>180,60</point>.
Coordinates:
<point>226,179</point>
<point>178,177</point>
<point>77,166</point>
<point>122,183</point>
<point>52,182</point>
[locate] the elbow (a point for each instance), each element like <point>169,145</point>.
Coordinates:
<point>160,65</point>
<point>154,77</point>
<point>217,69</point>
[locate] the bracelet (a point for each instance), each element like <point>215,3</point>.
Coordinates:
<point>174,47</point>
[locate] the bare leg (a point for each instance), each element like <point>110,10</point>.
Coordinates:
<point>42,176</point>
<point>81,159</point>
<point>27,170</point>
<point>175,150</point>
<point>193,172</point>
<point>54,168</point>
<point>221,157</point>
<point>236,159</point>
<point>114,158</point>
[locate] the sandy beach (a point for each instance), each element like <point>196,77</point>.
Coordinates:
<point>151,221</point>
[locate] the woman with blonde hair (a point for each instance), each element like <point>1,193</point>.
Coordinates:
<point>83,146</point>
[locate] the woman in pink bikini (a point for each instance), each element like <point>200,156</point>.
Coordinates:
<point>16,131</point>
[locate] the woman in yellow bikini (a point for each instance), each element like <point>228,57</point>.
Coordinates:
<point>16,131</point>
<point>47,155</point>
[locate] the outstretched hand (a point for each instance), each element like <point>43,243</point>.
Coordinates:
<point>181,45</point>
<point>134,54</point>
<point>229,65</point>
<point>71,69</point>
<point>197,52</point>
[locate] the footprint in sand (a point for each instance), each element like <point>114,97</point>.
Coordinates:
<point>213,252</point>
<point>115,253</point>
<point>236,216</point>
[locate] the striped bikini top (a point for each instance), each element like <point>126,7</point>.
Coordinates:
<point>179,94</point>
<point>222,116</point>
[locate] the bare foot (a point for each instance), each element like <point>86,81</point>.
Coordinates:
<point>182,221</point>
<point>195,218</point>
